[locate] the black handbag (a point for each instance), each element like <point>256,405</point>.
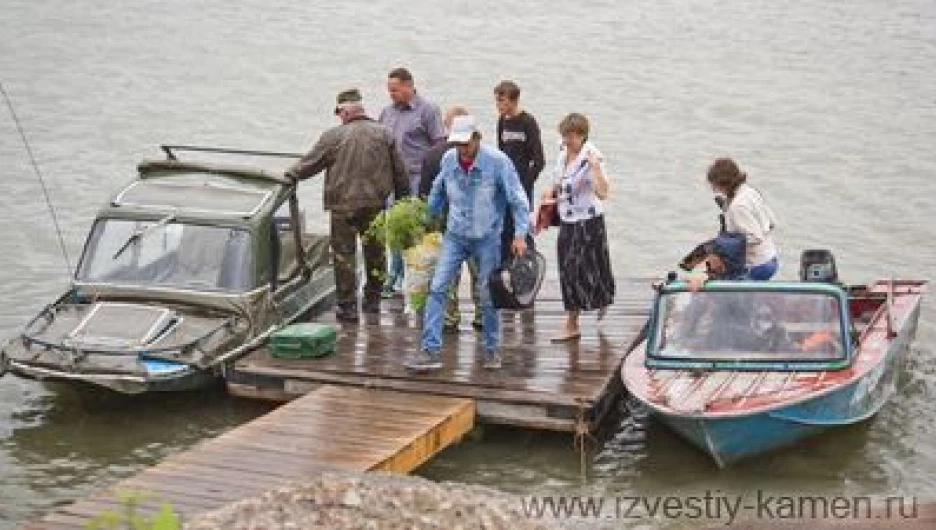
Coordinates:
<point>515,284</point>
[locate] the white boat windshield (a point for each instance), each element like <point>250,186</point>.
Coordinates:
<point>168,254</point>
<point>771,326</point>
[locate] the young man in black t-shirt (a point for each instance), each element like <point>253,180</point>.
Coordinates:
<point>518,136</point>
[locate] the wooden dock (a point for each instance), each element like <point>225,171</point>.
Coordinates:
<point>541,385</point>
<point>331,428</point>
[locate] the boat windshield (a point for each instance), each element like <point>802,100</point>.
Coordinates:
<point>772,326</point>
<point>165,253</point>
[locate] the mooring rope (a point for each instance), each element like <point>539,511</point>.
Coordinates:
<point>582,437</point>
<point>45,190</point>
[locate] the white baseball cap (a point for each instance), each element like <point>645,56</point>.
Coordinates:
<point>463,128</point>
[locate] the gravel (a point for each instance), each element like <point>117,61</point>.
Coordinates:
<point>372,501</point>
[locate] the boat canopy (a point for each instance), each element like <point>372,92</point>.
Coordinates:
<point>750,326</point>
<point>199,194</point>
<point>196,194</point>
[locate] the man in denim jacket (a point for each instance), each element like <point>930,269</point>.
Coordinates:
<point>477,182</point>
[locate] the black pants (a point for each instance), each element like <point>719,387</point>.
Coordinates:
<point>507,235</point>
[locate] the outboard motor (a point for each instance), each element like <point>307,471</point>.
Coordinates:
<point>818,265</point>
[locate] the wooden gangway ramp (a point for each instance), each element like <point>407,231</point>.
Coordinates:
<point>330,428</point>
<point>542,385</point>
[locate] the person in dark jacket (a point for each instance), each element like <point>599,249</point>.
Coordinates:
<point>433,160</point>
<point>363,167</point>
<point>518,135</point>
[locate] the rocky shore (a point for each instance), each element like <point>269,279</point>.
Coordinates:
<point>345,501</point>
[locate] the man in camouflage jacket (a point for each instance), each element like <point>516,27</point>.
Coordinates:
<point>362,167</point>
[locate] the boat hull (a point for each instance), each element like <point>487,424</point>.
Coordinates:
<point>188,380</point>
<point>728,439</point>
<point>307,301</point>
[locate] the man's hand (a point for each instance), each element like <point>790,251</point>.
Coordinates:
<point>519,245</point>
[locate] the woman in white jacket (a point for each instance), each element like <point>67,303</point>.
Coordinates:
<point>746,211</point>
<point>585,275</point>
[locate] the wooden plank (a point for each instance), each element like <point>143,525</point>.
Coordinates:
<point>420,450</point>
<point>537,375</point>
<point>419,386</point>
<point>517,359</point>
<point>519,371</point>
<point>330,428</point>
<point>512,412</point>
<point>582,383</point>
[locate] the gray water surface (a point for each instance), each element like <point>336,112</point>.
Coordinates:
<point>830,107</point>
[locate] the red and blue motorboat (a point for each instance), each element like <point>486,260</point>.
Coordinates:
<point>740,368</point>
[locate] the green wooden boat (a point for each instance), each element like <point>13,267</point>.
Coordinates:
<point>186,269</point>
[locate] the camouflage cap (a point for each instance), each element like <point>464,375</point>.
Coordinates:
<point>352,95</point>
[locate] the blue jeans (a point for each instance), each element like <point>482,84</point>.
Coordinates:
<point>455,250</point>
<point>764,271</point>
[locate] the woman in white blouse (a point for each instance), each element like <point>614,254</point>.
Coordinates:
<point>581,185</point>
<point>746,211</point>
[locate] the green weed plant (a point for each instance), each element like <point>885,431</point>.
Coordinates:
<point>130,518</point>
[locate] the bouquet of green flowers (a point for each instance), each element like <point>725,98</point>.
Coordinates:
<point>406,227</point>
<point>402,225</point>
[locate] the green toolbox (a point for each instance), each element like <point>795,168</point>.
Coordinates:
<point>302,341</point>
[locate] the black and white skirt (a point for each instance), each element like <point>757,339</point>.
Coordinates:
<point>585,265</point>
